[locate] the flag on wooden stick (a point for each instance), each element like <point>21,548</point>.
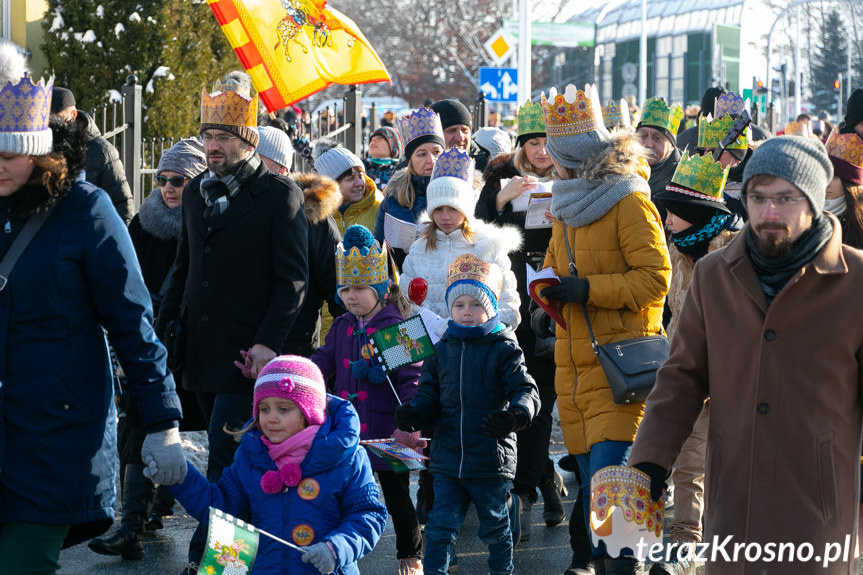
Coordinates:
<point>402,343</point>
<point>295,48</point>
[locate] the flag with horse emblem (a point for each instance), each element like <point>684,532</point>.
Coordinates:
<point>231,546</point>
<point>402,343</point>
<point>295,48</point>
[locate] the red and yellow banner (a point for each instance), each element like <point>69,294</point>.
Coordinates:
<point>295,48</point>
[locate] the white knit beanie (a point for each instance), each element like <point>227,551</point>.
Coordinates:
<point>453,192</point>
<point>276,145</point>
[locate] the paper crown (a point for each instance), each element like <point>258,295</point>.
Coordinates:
<point>364,263</point>
<point>798,129</point>
<point>423,122</point>
<point>846,154</point>
<point>530,119</point>
<point>622,513</point>
<point>711,132</point>
<point>656,113</point>
<point>729,103</point>
<point>24,111</point>
<point>228,106</point>
<point>699,177</point>
<point>573,112</point>
<point>469,268</point>
<point>454,163</point>
<point>616,115</point>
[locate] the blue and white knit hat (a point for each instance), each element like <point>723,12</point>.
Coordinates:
<point>469,275</point>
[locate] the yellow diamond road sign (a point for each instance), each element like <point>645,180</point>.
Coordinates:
<point>500,46</point>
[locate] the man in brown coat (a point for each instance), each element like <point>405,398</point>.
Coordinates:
<point>771,331</point>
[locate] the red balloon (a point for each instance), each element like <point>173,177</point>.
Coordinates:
<point>418,289</point>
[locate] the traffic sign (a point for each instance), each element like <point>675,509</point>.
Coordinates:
<point>500,46</point>
<point>499,84</point>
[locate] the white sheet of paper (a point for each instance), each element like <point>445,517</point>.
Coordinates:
<point>399,233</point>
<point>535,217</point>
<point>522,202</point>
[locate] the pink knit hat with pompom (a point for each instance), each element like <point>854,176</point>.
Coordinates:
<point>295,378</point>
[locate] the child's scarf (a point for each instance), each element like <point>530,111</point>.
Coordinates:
<point>287,456</point>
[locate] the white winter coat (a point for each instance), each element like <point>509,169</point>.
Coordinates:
<point>491,243</point>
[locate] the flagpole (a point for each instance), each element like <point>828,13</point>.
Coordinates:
<point>282,541</point>
<point>392,387</point>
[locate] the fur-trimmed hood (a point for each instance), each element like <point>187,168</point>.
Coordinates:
<point>500,168</point>
<point>321,194</point>
<point>488,237</point>
<point>623,156</point>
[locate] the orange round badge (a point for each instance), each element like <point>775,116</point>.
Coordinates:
<point>303,534</point>
<point>308,489</point>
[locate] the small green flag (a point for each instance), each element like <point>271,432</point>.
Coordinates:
<point>399,457</point>
<point>231,546</point>
<point>402,343</point>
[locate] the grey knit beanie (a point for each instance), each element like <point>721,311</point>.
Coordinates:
<point>275,145</point>
<point>186,157</point>
<point>336,161</point>
<point>803,162</point>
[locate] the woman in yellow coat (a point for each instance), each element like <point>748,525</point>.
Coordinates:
<point>622,273</point>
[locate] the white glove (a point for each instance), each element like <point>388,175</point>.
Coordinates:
<point>162,453</point>
<point>321,557</point>
<point>435,324</point>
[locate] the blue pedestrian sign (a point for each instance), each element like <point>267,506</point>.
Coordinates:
<point>499,84</point>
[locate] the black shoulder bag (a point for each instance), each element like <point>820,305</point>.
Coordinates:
<point>630,365</point>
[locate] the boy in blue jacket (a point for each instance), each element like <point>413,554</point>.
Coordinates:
<point>477,391</point>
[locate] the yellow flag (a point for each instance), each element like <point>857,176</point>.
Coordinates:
<point>295,48</point>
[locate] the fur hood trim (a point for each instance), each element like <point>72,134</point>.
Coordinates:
<point>158,219</point>
<point>623,156</point>
<point>488,237</point>
<point>321,194</point>
<point>500,168</point>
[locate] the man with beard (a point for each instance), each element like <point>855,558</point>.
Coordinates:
<point>770,330</point>
<point>240,275</point>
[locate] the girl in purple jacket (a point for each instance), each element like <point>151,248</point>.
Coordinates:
<point>374,302</point>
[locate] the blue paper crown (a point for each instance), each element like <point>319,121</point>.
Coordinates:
<point>454,163</point>
<point>25,106</point>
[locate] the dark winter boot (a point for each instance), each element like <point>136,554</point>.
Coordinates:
<point>524,519</point>
<point>163,506</point>
<point>623,566</point>
<point>138,495</point>
<point>552,489</point>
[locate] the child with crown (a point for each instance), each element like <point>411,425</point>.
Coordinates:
<point>477,392</point>
<point>374,301</point>
<point>608,248</point>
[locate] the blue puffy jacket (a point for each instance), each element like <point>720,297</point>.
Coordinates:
<point>337,500</point>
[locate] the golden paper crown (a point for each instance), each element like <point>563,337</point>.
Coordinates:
<point>846,147</point>
<point>573,112</point>
<point>530,119</point>
<point>616,115</point>
<point>469,268</point>
<point>699,177</point>
<point>228,106</point>
<point>657,114</point>
<point>802,129</point>
<point>711,132</point>
<point>363,263</point>
<point>629,489</point>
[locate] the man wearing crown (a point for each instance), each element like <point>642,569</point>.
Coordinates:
<point>658,132</point>
<point>241,272</point>
<point>770,331</point>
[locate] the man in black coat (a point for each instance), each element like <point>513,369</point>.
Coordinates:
<point>240,276</point>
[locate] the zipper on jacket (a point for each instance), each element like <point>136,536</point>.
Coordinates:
<point>461,412</point>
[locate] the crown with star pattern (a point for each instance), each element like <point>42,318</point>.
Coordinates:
<point>656,113</point>
<point>573,112</point>
<point>699,177</point>
<point>711,132</point>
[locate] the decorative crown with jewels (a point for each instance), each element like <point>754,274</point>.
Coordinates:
<point>366,266</point>
<point>729,103</point>
<point>616,115</point>
<point>656,113</point>
<point>847,147</point>
<point>530,120</point>
<point>573,112</point>
<point>699,177</point>
<point>228,106</point>
<point>802,129</point>
<point>454,163</point>
<point>470,268</point>
<point>423,122</point>
<point>24,111</point>
<point>711,132</point>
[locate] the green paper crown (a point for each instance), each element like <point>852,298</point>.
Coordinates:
<point>530,119</point>
<point>656,114</point>
<point>711,132</point>
<point>699,177</point>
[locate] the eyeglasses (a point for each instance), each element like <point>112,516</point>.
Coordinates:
<point>176,181</point>
<point>220,138</point>
<point>780,202</point>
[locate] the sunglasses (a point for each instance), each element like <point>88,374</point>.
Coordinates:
<point>175,181</point>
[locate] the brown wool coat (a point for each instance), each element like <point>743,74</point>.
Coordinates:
<point>785,400</point>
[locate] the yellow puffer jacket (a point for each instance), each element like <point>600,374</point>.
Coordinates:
<point>625,258</point>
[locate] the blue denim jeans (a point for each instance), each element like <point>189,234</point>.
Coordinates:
<point>452,498</point>
<point>601,455</point>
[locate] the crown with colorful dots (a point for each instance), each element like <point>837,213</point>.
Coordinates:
<point>616,115</point>
<point>361,261</point>
<point>572,113</point>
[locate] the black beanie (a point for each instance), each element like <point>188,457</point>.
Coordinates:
<point>854,109</point>
<point>708,100</point>
<point>452,113</point>
<point>61,98</point>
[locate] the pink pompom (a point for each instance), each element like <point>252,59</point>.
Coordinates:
<point>350,331</point>
<point>290,474</point>
<point>270,483</point>
<point>346,363</point>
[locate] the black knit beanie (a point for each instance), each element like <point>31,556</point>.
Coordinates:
<point>452,113</point>
<point>854,109</point>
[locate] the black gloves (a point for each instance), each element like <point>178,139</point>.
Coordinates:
<point>408,418</point>
<point>657,478</point>
<point>499,424</point>
<point>570,289</point>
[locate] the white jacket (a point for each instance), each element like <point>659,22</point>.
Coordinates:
<point>492,243</point>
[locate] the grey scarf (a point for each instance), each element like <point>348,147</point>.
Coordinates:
<point>218,192</point>
<point>159,220</point>
<point>579,202</point>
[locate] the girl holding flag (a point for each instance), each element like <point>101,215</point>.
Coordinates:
<point>373,303</point>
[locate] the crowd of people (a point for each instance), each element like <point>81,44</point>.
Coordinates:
<point>242,297</point>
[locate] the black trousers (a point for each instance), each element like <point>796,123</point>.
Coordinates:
<point>397,496</point>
